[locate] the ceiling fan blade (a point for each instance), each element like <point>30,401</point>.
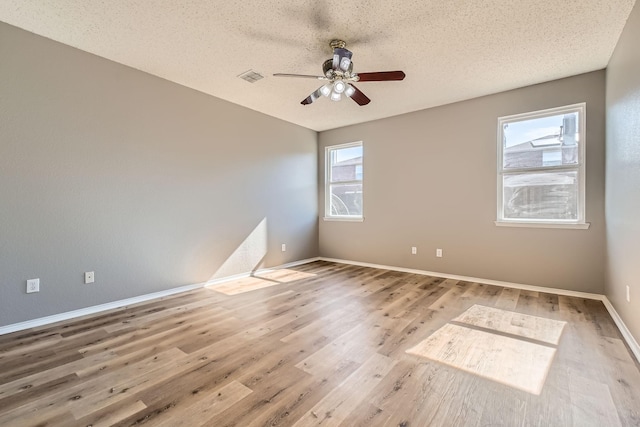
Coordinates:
<point>315,95</point>
<point>360,97</point>
<point>303,76</point>
<point>381,76</point>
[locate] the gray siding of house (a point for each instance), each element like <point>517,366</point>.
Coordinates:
<point>430,181</point>
<point>149,184</point>
<point>623,175</point>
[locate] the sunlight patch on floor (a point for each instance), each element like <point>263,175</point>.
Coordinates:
<point>500,356</point>
<point>260,281</point>
<point>523,325</point>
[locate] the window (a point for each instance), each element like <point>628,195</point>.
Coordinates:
<point>343,184</point>
<point>541,168</point>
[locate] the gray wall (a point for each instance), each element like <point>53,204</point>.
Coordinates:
<point>430,182</point>
<point>149,184</point>
<point>623,175</point>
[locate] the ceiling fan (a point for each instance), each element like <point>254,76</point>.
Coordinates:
<point>338,72</point>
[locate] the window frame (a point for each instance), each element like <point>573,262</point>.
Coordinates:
<point>579,223</point>
<point>328,183</point>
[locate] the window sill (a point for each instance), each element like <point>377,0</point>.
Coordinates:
<point>581,226</point>
<point>344,218</point>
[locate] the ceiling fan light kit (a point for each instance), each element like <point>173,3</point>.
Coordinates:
<point>339,73</point>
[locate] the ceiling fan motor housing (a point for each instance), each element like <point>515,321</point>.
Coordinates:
<point>329,72</point>
<point>338,71</point>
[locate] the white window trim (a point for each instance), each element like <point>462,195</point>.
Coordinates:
<point>530,224</point>
<point>327,184</point>
<point>344,218</point>
<point>580,223</point>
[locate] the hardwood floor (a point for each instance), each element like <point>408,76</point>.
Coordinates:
<point>321,344</point>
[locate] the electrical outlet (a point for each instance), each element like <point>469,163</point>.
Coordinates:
<point>33,285</point>
<point>628,294</point>
<point>439,253</point>
<point>414,250</point>
<point>284,247</point>
<point>89,277</point>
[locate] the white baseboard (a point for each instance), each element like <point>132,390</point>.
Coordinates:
<point>557,291</point>
<point>94,309</point>
<point>631,341</point>
<point>626,334</point>
<point>42,321</point>
<point>628,337</point>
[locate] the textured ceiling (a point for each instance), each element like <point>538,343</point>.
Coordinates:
<point>450,50</point>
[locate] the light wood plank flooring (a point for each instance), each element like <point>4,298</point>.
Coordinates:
<point>324,346</point>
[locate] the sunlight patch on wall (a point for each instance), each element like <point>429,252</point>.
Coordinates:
<point>248,256</point>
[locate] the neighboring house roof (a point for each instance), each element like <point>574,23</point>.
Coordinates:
<point>541,143</point>
<point>354,161</point>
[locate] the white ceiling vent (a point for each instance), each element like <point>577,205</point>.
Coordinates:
<point>251,76</point>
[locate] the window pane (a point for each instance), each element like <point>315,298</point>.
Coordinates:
<point>346,164</point>
<point>547,195</point>
<point>346,199</point>
<point>541,142</point>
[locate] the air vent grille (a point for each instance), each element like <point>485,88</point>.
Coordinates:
<point>251,76</point>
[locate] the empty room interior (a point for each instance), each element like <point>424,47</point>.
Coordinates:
<point>319,213</point>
